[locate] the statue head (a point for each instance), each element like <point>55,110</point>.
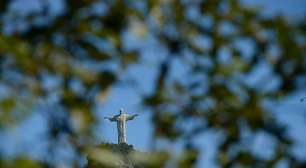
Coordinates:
<point>121,111</point>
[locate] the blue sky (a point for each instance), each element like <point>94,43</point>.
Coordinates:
<point>290,111</point>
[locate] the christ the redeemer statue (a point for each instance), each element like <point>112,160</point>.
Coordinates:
<point>121,120</point>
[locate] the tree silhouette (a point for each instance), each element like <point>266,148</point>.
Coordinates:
<point>219,43</point>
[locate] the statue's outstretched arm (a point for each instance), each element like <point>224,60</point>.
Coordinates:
<point>131,117</point>
<point>112,119</point>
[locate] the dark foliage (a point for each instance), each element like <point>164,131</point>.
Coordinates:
<point>75,45</point>
<point>123,155</point>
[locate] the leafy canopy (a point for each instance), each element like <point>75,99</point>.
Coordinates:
<point>220,43</point>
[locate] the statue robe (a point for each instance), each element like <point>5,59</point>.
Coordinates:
<point>121,125</point>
